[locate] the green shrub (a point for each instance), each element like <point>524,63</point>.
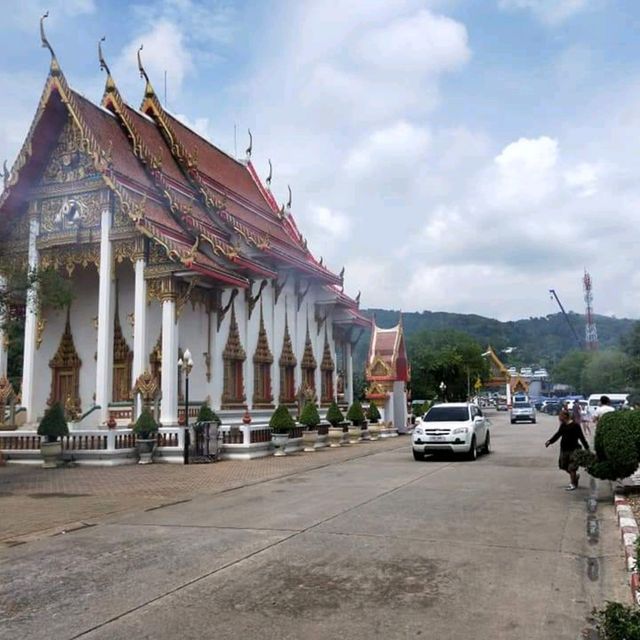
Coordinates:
<point>334,415</point>
<point>356,414</point>
<point>617,621</point>
<point>617,446</point>
<point>373,414</point>
<point>310,416</point>
<point>281,420</point>
<point>207,414</point>
<point>53,424</point>
<point>145,425</point>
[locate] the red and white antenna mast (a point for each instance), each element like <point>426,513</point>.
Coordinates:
<point>591,333</point>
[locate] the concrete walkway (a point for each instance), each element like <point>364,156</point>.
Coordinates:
<point>378,546</point>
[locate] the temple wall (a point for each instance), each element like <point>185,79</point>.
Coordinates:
<point>193,336</point>
<point>154,328</point>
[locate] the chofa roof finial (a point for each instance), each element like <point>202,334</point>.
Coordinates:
<point>290,198</point>
<point>270,176</point>
<point>104,66</point>
<point>148,91</point>
<point>55,67</point>
<point>250,147</point>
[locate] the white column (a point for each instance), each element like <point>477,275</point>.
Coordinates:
<point>30,327</point>
<point>104,361</point>
<point>169,401</point>
<point>3,338</point>
<point>140,320</point>
<point>348,381</point>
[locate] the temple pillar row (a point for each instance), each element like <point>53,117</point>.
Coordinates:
<point>348,380</point>
<point>169,401</point>
<point>30,325</point>
<point>140,320</point>
<point>104,360</point>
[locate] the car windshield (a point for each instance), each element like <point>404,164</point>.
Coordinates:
<point>447,414</point>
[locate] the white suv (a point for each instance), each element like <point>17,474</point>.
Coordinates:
<point>454,427</point>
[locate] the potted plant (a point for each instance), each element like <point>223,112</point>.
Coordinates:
<point>335,419</point>
<point>310,418</point>
<point>356,415</point>
<point>281,424</point>
<point>145,429</point>
<point>374,420</point>
<point>52,427</point>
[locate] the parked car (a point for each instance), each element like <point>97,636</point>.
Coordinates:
<point>551,407</point>
<point>502,404</point>
<point>453,427</point>
<point>523,411</point>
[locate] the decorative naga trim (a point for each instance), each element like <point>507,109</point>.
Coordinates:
<point>320,320</point>
<point>278,287</point>
<point>222,311</point>
<point>251,299</point>
<point>300,295</point>
<point>184,296</point>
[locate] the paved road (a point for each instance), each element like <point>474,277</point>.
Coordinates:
<point>375,547</point>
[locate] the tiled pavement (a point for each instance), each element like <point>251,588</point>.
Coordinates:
<point>36,502</point>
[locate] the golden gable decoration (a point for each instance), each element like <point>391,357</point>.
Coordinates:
<point>308,359</point>
<point>287,357</point>
<point>263,353</point>
<point>65,382</point>
<point>327,359</point>
<point>234,349</point>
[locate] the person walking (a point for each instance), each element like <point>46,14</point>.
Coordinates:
<point>605,407</point>
<point>570,435</point>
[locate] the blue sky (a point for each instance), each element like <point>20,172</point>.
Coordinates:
<point>461,155</point>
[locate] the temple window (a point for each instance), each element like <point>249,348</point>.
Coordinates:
<point>327,368</point>
<point>308,365</point>
<point>233,357</point>
<point>262,361</point>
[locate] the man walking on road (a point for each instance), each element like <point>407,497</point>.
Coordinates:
<point>605,407</point>
<point>570,435</point>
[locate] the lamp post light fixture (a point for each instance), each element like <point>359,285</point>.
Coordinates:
<point>186,364</point>
<point>443,389</point>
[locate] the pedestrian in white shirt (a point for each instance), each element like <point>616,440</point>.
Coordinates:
<point>605,407</point>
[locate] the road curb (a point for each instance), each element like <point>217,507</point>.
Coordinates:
<point>628,534</point>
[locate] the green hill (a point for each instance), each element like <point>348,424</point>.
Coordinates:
<point>539,342</point>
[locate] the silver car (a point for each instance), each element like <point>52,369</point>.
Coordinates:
<point>523,411</point>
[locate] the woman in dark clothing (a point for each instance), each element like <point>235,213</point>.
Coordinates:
<point>570,435</point>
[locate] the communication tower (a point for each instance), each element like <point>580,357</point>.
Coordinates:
<point>591,333</point>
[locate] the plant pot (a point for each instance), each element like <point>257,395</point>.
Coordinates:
<point>335,436</point>
<point>355,433</point>
<point>279,441</point>
<point>51,454</point>
<point>374,430</point>
<point>145,448</point>
<point>309,439</point>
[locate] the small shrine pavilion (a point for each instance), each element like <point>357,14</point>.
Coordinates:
<point>387,374</point>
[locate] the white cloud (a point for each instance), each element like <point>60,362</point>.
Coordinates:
<point>583,179</point>
<point>335,223</point>
<point>422,43</point>
<point>551,12</point>
<point>164,50</point>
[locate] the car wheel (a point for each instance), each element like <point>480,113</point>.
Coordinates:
<point>473,450</point>
<point>513,422</point>
<point>418,455</point>
<point>533,421</point>
<point>487,443</point>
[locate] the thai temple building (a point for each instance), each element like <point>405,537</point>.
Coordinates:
<point>387,374</point>
<point>173,248</point>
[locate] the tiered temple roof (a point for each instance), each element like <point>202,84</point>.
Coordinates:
<point>208,211</point>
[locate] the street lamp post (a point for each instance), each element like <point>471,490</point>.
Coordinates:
<point>443,389</point>
<point>186,364</point>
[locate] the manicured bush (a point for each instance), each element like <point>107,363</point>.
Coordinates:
<point>207,414</point>
<point>356,414</point>
<point>617,446</point>
<point>618,621</point>
<point>334,415</point>
<point>310,416</point>
<point>145,425</point>
<point>373,414</point>
<point>53,424</point>
<point>281,420</point>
